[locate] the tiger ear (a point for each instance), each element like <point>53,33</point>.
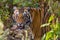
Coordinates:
<point>29,8</point>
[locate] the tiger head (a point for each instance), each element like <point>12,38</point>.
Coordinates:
<point>19,14</point>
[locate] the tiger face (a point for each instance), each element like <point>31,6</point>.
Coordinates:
<point>22,15</point>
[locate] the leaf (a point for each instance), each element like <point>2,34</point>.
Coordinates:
<point>43,38</point>
<point>49,35</point>
<point>57,28</point>
<point>1,27</point>
<point>44,25</point>
<point>51,18</point>
<point>57,23</point>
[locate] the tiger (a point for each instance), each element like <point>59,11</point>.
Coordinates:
<point>36,19</point>
<point>23,20</point>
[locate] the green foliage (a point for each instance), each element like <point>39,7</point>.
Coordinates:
<point>51,18</point>
<point>54,33</point>
<point>26,3</point>
<point>50,35</point>
<point>1,26</point>
<point>55,30</point>
<point>54,7</point>
<point>4,15</point>
<point>16,1</point>
<point>4,35</point>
